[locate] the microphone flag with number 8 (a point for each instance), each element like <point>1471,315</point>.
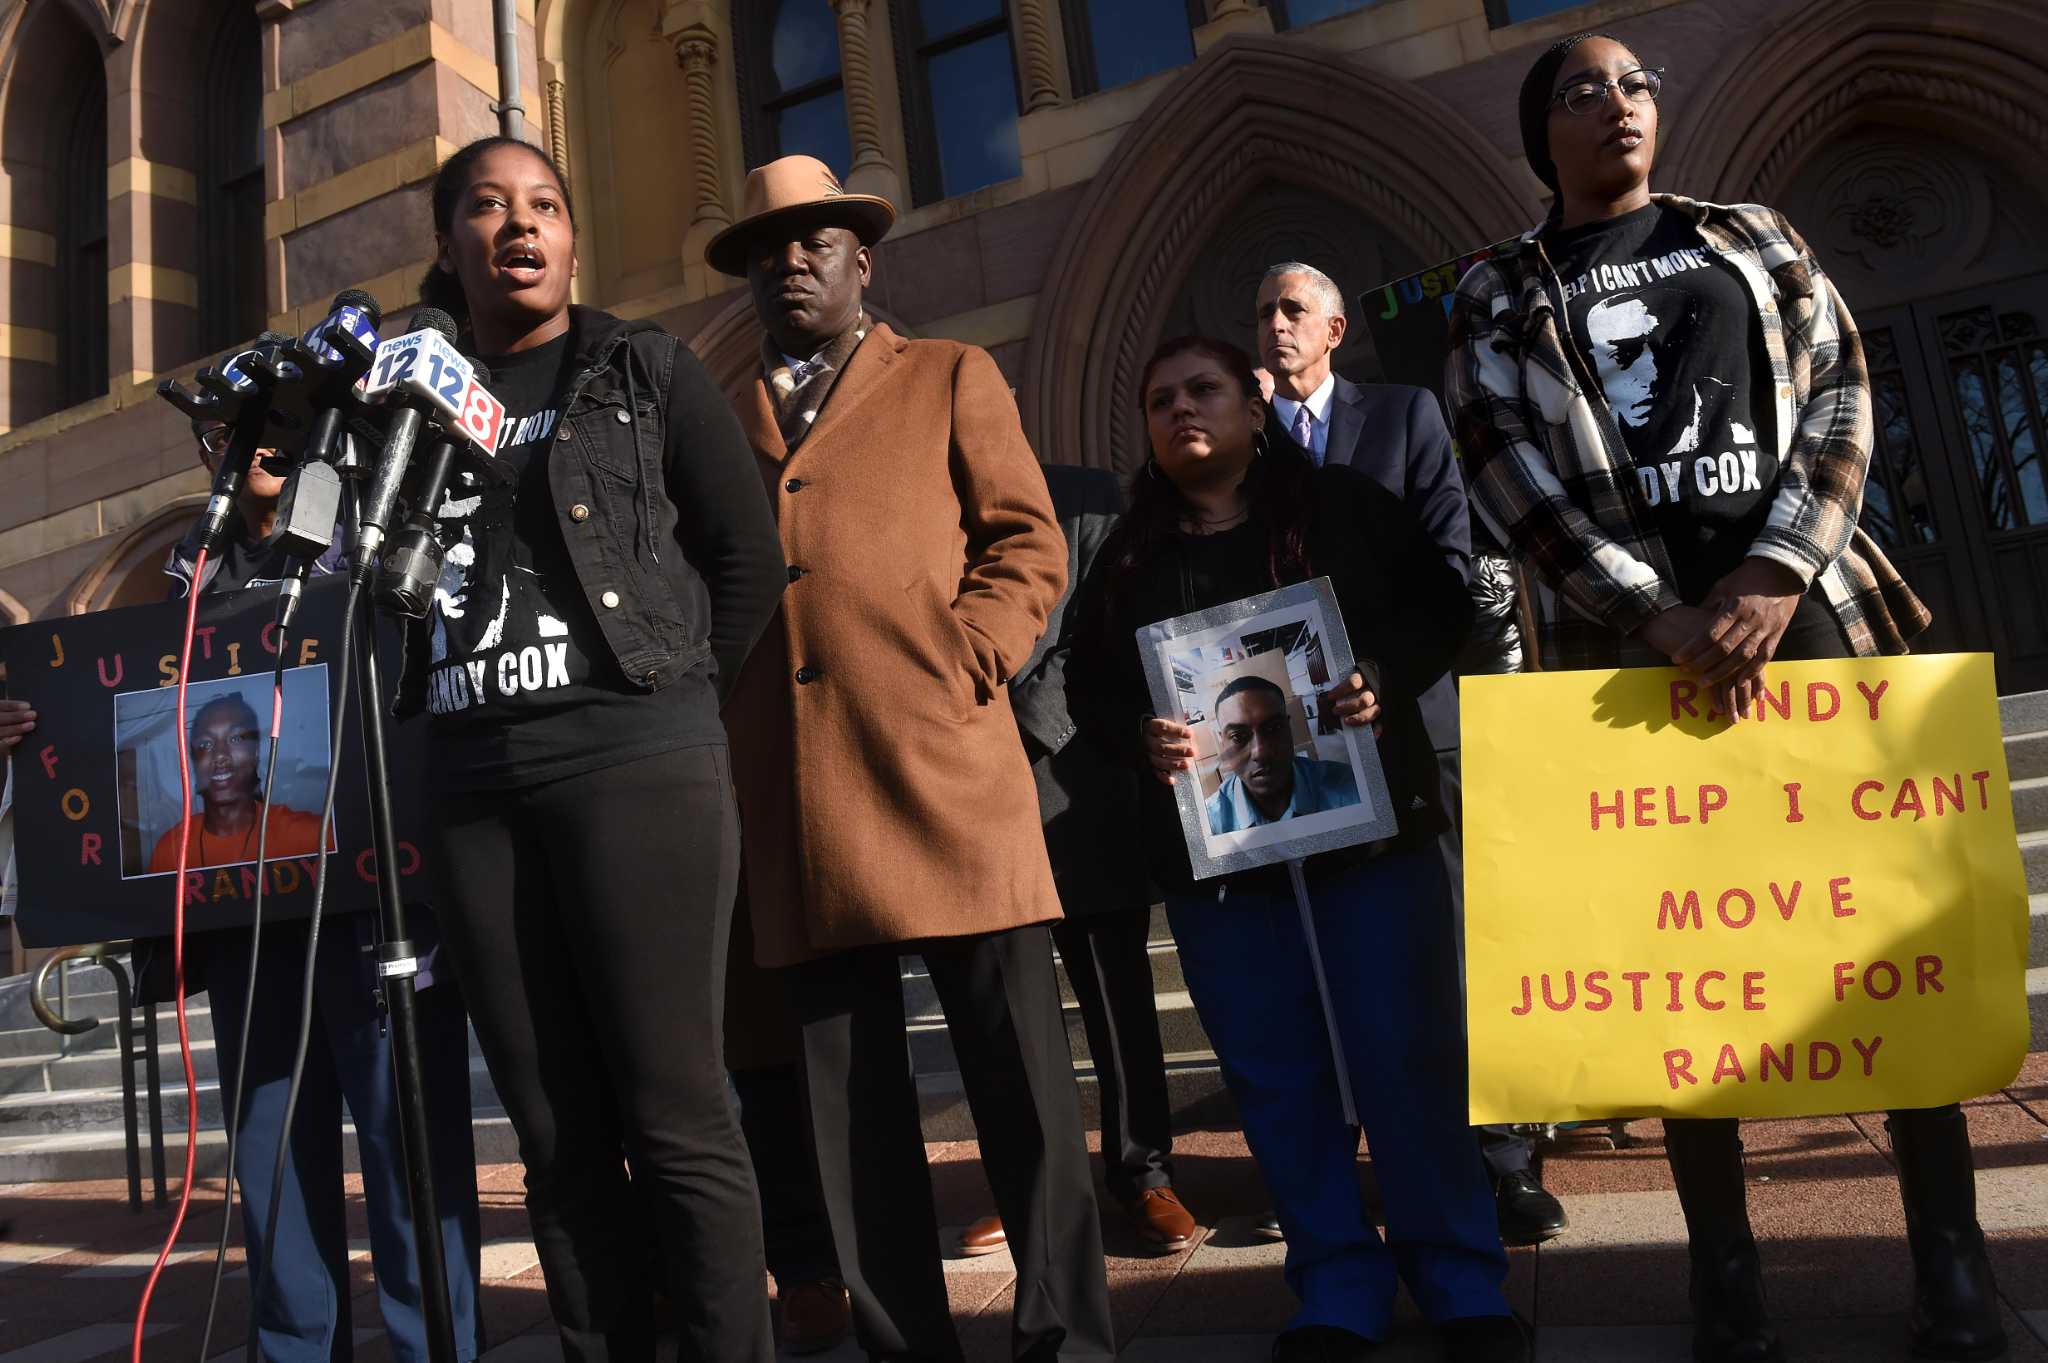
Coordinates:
<point>423,365</point>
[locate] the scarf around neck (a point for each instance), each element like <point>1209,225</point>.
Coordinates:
<point>797,398</point>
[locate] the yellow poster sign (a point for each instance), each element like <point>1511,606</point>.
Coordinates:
<point>1818,908</point>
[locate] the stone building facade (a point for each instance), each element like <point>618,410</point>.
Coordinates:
<point>1077,179</point>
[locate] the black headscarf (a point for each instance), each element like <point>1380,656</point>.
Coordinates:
<point>1535,104</point>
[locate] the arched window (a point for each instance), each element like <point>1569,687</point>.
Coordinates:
<point>793,98</point>
<point>1301,13</point>
<point>82,240</point>
<point>232,306</point>
<point>959,95</point>
<point>1114,42</point>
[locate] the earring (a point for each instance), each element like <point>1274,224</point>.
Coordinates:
<point>1152,469</point>
<point>1260,447</point>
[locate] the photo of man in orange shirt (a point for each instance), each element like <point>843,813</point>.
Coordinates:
<point>223,742</point>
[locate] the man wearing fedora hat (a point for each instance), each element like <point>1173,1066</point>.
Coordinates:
<point>887,804</point>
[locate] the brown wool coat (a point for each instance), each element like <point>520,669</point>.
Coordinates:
<point>888,798</point>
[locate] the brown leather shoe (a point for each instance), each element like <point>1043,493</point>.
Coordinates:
<point>1161,1219</point>
<point>815,1316</point>
<point>985,1236</point>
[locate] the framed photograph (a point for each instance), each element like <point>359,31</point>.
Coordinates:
<point>227,735</point>
<point>1276,776</point>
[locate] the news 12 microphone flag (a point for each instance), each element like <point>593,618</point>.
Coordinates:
<point>96,786</point>
<point>1668,912</point>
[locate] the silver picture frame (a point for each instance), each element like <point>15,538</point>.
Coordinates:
<point>1293,638</point>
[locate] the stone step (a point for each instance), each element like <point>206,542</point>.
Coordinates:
<point>2030,804</point>
<point>2024,713</point>
<point>931,1046</point>
<point>37,1042</point>
<point>73,1111</point>
<point>921,1000</point>
<point>101,1068</point>
<point>2037,935</point>
<point>78,1156</point>
<point>2037,1008</point>
<point>1194,1091</point>
<point>2026,755</point>
<point>2034,855</point>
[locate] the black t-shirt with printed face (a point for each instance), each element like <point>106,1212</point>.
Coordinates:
<point>521,683</point>
<point>1671,335</point>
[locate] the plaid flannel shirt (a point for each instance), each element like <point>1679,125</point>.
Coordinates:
<point>1553,479</point>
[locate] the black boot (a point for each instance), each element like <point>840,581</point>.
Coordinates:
<point>1730,1324</point>
<point>1955,1302</point>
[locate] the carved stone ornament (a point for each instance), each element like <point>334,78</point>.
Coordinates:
<point>1885,203</point>
<point>697,54</point>
<point>857,81</point>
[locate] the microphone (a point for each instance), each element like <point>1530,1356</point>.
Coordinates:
<point>337,351</point>
<point>411,569</point>
<point>398,376</point>
<point>243,388</point>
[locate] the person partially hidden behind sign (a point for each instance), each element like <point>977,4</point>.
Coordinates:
<point>1730,389</point>
<point>1264,779</point>
<point>224,738</point>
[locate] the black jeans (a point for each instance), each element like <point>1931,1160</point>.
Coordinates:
<point>1110,966</point>
<point>1003,1010</point>
<point>588,920</point>
<point>796,1232</point>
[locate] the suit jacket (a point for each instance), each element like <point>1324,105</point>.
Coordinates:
<point>883,794</point>
<point>1088,804</point>
<point>1395,435</point>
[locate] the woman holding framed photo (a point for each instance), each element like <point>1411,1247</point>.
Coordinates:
<point>1225,510</point>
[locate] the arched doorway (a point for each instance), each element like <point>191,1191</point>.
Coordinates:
<point>1261,145</point>
<point>1902,154</point>
<point>131,572</point>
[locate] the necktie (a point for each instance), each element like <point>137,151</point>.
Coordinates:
<point>1305,432</point>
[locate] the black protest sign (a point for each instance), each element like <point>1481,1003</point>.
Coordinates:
<point>1410,321</point>
<point>98,785</point>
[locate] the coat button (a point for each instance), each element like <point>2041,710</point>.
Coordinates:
<point>624,417</point>
<point>651,678</point>
<point>806,675</point>
<point>796,572</point>
<point>611,600</point>
<point>793,485</point>
<point>564,435</point>
<point>579,512</point>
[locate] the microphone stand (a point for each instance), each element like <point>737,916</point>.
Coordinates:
<point>397,967</point>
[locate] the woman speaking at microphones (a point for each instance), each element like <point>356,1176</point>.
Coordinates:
<point>1666,418</point>
<point>606,574</point>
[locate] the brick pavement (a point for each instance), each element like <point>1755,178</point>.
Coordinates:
<point>1611,1290</point>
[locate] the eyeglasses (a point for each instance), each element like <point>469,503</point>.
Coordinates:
<point>214,440</point>
<point>1641,86</point>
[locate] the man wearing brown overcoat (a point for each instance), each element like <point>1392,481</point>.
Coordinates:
<point>886,801</point>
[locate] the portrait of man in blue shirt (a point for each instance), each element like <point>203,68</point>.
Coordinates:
<point>1264,779</point>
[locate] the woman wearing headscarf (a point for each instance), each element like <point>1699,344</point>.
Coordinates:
<point>1665,416</point>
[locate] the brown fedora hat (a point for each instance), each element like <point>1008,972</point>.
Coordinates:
<point>791,187</point>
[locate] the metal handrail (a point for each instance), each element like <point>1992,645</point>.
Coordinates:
<point>103,954</point>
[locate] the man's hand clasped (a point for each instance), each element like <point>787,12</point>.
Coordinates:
<point>1727,639</point>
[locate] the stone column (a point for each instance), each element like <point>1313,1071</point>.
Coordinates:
<point>1233,16</point>
<point>873,171</point>
<point>1038,55</point>
<point>697,50</point>
<point>557,101</point>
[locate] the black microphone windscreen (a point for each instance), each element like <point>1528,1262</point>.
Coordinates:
<point>480,372</point>
<point>362,300</point>
<point>433,319</point>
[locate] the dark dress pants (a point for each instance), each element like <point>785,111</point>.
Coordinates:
<point>1504,1151</point>
<point>1002,1009</point>
<point>588,918</point>
<point>1110,966</point>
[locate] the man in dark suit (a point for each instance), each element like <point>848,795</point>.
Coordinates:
<point>1396,436</point>
<point>1089,808</point>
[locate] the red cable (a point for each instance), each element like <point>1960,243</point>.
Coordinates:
<point>178,962</point>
